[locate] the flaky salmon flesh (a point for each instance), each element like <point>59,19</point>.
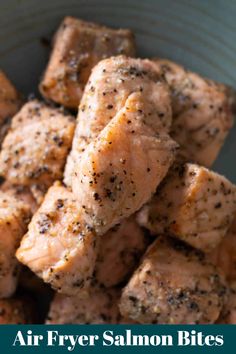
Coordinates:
<point>121,169</point>
<point>112,81</point>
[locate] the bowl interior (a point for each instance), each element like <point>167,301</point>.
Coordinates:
<point>198,34</point>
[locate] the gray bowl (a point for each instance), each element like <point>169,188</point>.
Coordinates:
<point>199,34</point>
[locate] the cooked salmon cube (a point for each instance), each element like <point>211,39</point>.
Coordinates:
<point>17,310</point>
<point>108,88</point>
<point>119,253</point>
<point>203,112</point>
<point>78,46</point>
<point>35,149</point>
<point>10,102</point>
<point>228,315</point>
<point>14,217</point>
<point>224,255</point>
<point>175,284</point>
<point>59,246</point>
<point>96,306</point>
<point>194,204</point>
<point>120,170</point>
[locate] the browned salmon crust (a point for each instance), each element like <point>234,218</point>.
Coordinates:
<point>174,284</point>
<point>35,149</point>
<point>59,246</point>
<point>78,46</point>
<point>120,250</point>
<point>120,170</point>
<point>10,102</point>
<point>96,306</point>
<point>202,112</point>
<point>193,204</point>
<point>14,217</point>
<point>112,81</point>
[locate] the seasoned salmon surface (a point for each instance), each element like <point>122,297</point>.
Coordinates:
<point>193,204</point>
<point>17,310</point>
<point>108,88</point>
<point>22,193</point>
<point>174,284</point>
<point>228,315</point>
<point>14,217</point>
<point>10,102</point>
<point>224,256</point>
<point>59,246</point>
<point>78,46</point>
<point>96,306</point>
<point>202,112</point>
<point>120,170</point>
<point>119,253</point>
<point>35,149</point>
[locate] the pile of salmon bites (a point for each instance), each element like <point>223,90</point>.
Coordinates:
<point>117,210</point>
